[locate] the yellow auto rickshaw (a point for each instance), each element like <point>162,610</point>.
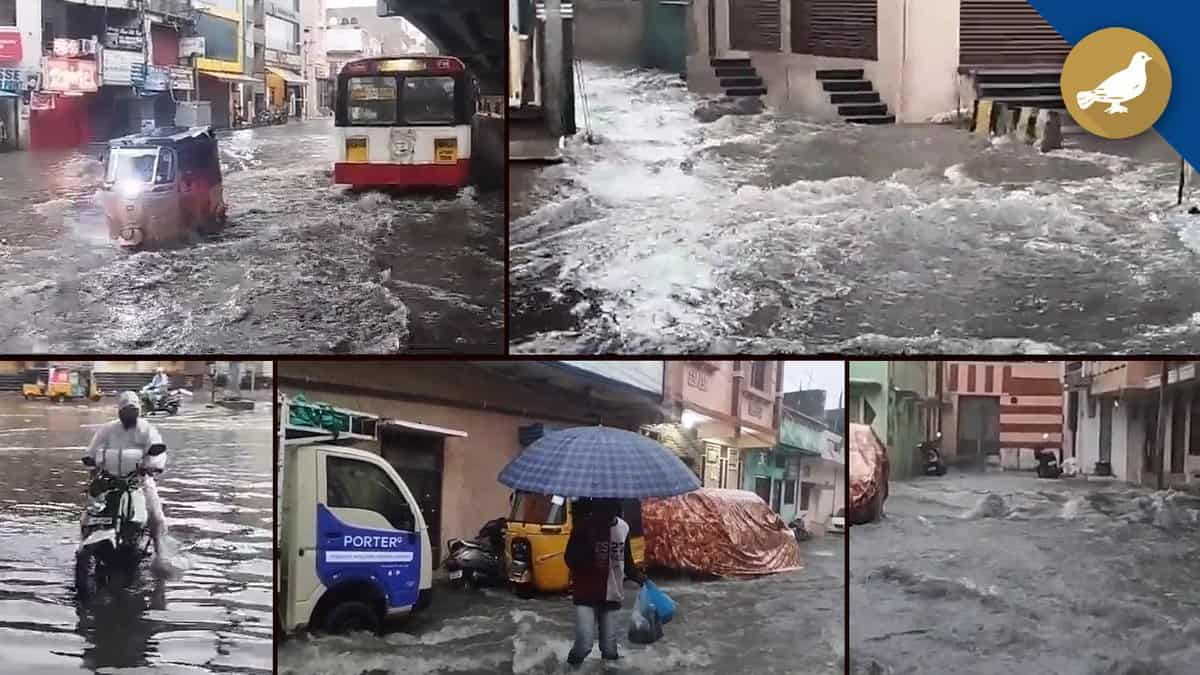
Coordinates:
<point>535,541</point>
<point>60,383</point>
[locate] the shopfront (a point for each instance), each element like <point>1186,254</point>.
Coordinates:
<point>12,83</point>
<point>61,109</point>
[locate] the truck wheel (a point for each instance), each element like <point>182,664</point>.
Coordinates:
<point>351,616</point>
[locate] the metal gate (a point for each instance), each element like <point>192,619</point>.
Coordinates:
<point>754,25</point>
<point>978,427</point>
<point>1007,33</point>
<point>846,28</point>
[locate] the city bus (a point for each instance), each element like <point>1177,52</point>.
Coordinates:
<point>404,122</point>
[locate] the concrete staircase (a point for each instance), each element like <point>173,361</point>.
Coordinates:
<point>738,77</point>
<point>855,97</point>
<point>1032,86</point>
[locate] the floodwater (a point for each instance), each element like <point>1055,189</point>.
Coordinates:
<point>790,623</point>
<point>210,612</point>
<point>303,267</point>
<point>775,233</point>
<point>1005,574</point>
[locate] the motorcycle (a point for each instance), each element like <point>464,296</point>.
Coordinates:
<point>477,563</point>
<point>799,530</point>
<point>1048,466</point>
<point>154,400</point>
<point>114,534</point>
<point>934,466</point>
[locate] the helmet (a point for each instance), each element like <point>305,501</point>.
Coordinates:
<point>128,399</point>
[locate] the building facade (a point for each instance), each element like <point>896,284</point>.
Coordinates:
<point>315,70</point>
<point>1001,409</point>
<point>495,409</point>
<point>899,400</point>
<point>922,58</point>
<point>1112,419</point>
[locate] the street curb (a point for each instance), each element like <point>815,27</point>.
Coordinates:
<point>1039,127</point>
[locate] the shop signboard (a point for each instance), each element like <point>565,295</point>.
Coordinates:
<point>10,45</point>
<point>39,100</point>
<point>182,78</point>
<point>124,37</point>
<point>12,79</point>
<point>69,76</point>
<point>69,48</point>
<point>117,66</point>
<point>158,78</point>
<point>191,46</point>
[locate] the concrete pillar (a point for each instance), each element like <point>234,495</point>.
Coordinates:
<point>983,117</point>
<point>1026,129</point>
<point>554,86</point>
<point>1049,130</point>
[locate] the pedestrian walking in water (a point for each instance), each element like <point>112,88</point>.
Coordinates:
<point>600,561</point>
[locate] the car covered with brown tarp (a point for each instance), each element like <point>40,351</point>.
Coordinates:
<point>726,533</point>
<point>868,474</point>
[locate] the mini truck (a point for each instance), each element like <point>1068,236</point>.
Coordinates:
<point>353,547</point>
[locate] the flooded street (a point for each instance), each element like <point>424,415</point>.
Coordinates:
<point>1005,574</point>
<point>788,623</point>
<point>302,267</point>
<point>212,614</point>
<point>770,232</point>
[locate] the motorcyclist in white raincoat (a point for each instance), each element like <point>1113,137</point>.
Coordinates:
<point>127,432</point>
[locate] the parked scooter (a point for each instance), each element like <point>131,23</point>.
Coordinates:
<point>114,529</point>
<point>478,563</point>
<point>798,529</point>
<point>1048,465</point>
<point>934,465</point>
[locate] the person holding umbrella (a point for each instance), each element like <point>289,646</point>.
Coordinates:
<point>599,557</point>
<point>598,466</point>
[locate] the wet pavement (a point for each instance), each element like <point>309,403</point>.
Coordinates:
<point>773,233</point>
<point>1005,574</point>
<point>303,267</point>
<point>211,613</point>
<point>788,623</point>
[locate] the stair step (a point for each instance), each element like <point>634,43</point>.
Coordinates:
<point>840,74</point>
<point>871,119</point>
<point>846,85</point>
<point>746,91</point>
<point>1017,86</point>
<point>741,82</point>
<point>1052,102</point>
<point>855,97</point>
<point>736,63</point>
<point>736,72</point>
<point>1051,75</point>
<point>862,109</point>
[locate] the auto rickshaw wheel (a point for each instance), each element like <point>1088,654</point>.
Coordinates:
<point>58,398</point>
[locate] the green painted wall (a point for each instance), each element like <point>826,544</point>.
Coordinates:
<point>664,37</point>
<point>894,389</point>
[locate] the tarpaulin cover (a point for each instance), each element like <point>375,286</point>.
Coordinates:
<point>868,474</point>
<point>728,533</point>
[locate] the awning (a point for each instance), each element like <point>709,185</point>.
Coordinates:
<point>228,77</point>
<point>8,94</point>
<point>422,428</point>
<point>288,76</point>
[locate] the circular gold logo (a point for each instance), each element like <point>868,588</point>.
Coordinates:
<point>1116,83</point>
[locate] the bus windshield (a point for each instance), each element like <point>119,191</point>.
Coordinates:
<point>398,100</point>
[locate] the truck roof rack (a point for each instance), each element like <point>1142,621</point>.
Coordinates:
<point>302,422</point>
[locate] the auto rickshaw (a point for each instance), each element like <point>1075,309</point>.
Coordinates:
<point>162,186</point>
<point>536,541</point>
<point>59,383</point>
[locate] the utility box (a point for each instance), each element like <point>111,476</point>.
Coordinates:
<point>193,113</point>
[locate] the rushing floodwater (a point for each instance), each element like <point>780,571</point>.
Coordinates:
<point>770,232</point>
<point>1008,575</point>
<point>303,266</point>
<point>791,624</point>
<point>210,614</point>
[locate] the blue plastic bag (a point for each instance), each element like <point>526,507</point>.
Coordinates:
<point>644,625</point>
<point>661,602</point>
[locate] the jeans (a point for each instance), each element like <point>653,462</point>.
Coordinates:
<point>586,621</point>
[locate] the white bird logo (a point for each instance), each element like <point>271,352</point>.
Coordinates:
<point>1123,85</point>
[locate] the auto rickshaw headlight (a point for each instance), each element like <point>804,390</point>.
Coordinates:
<point>131,188</point>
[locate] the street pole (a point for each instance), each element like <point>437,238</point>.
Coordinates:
<point>1161,442</point>
<point>553,68</point>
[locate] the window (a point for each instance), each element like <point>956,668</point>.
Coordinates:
<point>806,493</point>
<point>758,375</point>
<point>789,492</point>
<point>428,100</point>
<point>355,484</point>
<point>220,36</point>
<point>780,462</point>
<point>533,508</point>
<point>371,100</point>
<point>8,12</point>
<point>282,35</point>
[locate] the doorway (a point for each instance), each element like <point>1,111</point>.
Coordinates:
<point>978,428</point>
<point>419,460</point>
<point>762,488</point>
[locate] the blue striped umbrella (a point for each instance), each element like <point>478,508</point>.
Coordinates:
<point>598,462</point>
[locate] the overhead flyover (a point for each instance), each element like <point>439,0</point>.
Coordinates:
<point>473,30</point>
